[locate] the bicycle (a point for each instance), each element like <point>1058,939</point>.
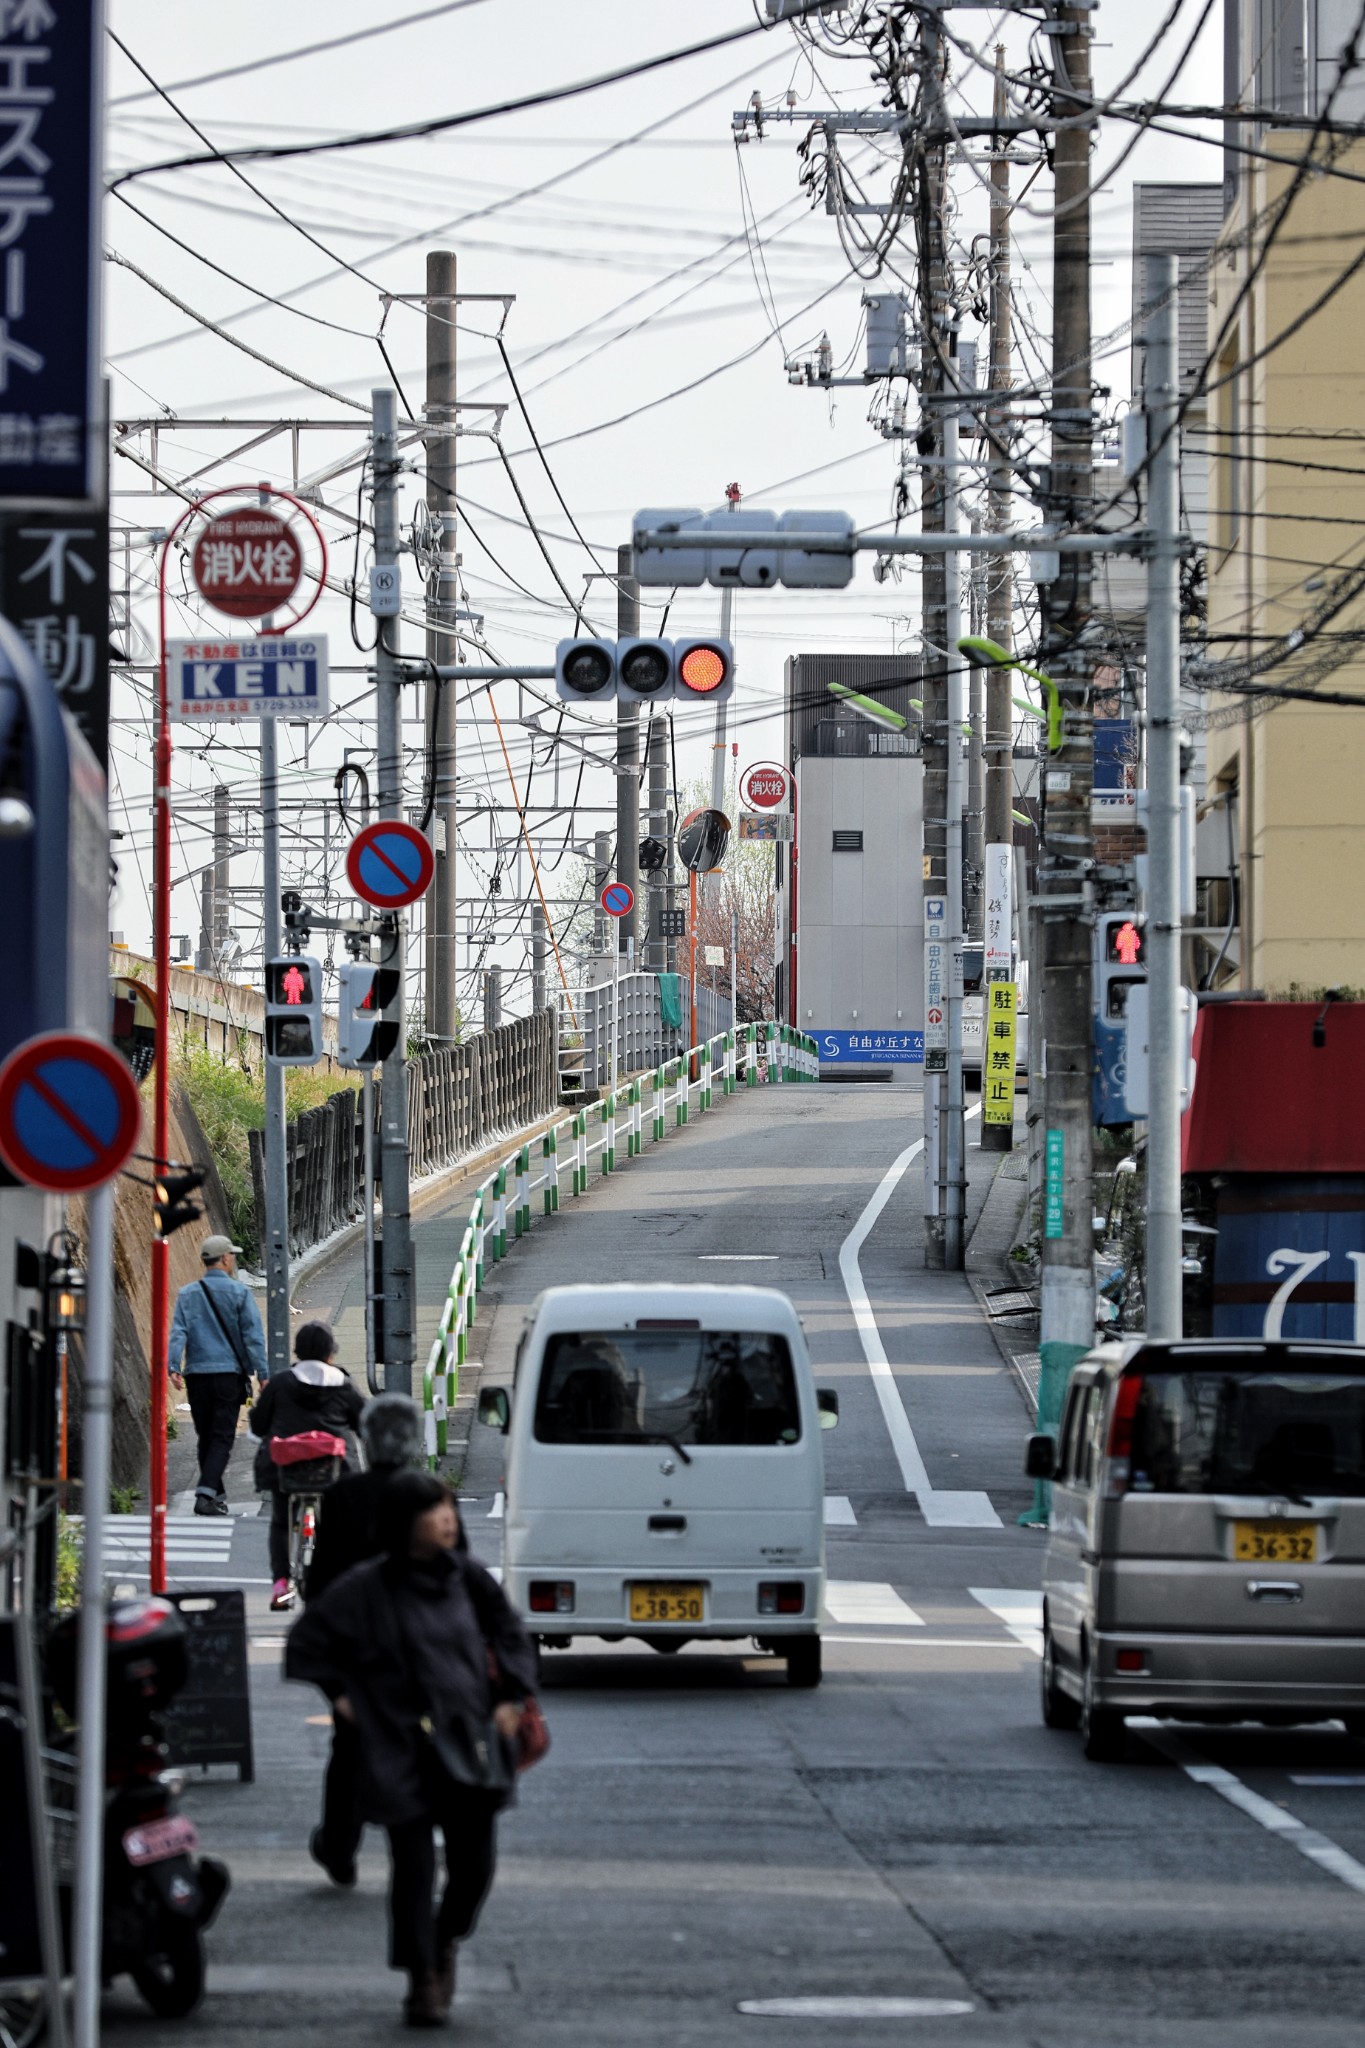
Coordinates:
<point>304,1478</point>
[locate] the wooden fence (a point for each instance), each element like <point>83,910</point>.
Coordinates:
<point>457,1102</point>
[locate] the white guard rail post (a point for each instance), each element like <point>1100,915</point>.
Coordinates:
<point>772,1053</point>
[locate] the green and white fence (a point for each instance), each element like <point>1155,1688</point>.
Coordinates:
<point>607,1135</point>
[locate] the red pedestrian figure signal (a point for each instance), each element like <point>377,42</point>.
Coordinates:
<point>294,985</point>
<point>1128,944</point>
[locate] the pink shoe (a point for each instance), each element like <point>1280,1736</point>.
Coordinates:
<point>282,1596</point>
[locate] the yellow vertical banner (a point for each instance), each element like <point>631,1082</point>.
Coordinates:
<point>997,1066</point>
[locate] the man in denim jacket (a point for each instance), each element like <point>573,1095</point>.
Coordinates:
<point>217,1331</point>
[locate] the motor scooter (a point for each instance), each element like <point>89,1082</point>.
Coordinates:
<point>159,1894</point>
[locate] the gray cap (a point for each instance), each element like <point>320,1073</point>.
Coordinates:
<point>216,1248</point>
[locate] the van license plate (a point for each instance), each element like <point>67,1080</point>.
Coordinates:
<point>1275,1542</point>
<point>666,1602</point>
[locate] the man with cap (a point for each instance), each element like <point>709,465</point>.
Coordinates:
<point>216,1330</point>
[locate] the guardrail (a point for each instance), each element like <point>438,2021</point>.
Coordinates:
<point>503,1205</point>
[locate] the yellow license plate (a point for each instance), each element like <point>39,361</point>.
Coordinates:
<point>1275,1542</point>
<point>666,1601</point>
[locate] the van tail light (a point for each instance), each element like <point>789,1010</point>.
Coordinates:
<point>782,1596</point>
<point>1118,1461</point>
<point>1131,1660</point>
<point>551,1596</point>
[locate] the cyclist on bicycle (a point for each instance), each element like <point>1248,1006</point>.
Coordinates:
<point>315,1394</point>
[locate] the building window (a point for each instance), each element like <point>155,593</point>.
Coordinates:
<point>848,842</point>
<point>1230,450</point>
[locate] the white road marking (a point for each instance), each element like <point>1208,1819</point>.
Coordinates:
<point>1323,1778</point>
<point>740,1258</point>
<point>1318,1848</point>
<point>496,1511</point>
<point>941,1509</point>
<point>863,1601</point>
<point>1022,1613</point>
<point>834,1642</point>
<point>855,2007</point>
<point>839,1512</point>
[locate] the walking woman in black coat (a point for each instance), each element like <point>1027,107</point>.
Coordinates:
<point>421,1651</point>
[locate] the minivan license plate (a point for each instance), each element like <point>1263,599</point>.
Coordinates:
<point>1275,1542</point>
<point>669,1601</point>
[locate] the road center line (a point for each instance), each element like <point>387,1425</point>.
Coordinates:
<point>946,1509</point>
<point>1318,1848</point>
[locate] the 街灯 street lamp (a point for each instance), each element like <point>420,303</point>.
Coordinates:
<point>983,653</point>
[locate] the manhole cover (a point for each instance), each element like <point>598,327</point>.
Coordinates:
<point>855,2008</point>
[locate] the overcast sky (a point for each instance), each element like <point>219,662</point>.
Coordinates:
<point>633,280</point>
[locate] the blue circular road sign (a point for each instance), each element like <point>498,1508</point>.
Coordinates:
<point>617,899</point>
<point>390,864</point>
<point>70,1112</point>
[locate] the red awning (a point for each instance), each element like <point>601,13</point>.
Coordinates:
<point>1267,1100</point>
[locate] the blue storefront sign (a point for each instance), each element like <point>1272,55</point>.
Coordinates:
<point>282,676</point>
<point>1289,1257</point>
<point>870,1048</point>
<point>51,426</point>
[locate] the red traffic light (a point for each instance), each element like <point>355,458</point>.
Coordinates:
<point>702,669</point>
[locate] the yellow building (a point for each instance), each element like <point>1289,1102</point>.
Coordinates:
<point>1285,790</point>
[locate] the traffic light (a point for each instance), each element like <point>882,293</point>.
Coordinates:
<point>172,1208</point>
<point>703,837</point>
<point>1122,962</point>
<point>705,670</point>
<point>293,1010</point>
<point>644,671</point>
<point>365,1037</point>
<point>585,671</point>
<point>653,855</point>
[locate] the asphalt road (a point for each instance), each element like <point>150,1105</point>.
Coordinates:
<point>701,1837</point>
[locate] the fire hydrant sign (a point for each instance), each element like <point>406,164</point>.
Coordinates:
<point>277,676</point>
<point>997,1067</point>
<point>247,562</point>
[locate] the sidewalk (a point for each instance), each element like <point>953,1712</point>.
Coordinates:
<point>1007,1301</point>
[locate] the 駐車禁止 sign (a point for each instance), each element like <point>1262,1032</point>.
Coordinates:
<point>269,677</point>
<point>51,430</point>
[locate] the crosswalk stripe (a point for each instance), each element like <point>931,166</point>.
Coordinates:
<point>1021,1612</point>
<point>854,1601</point>
<point>839,1512</point>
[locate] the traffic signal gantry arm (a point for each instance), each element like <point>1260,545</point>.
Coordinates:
<point>983,653</point>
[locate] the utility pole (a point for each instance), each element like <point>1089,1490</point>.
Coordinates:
<point>999,747</point>
<point>954,1127</point>
<point>441,1019</point>
<point>277,1349</point>
<point>727,613</point>
<point>1165,1058</point>
<point>933,273</point>
<point>656,751</point>
<point>222,875</point>
<point>1066,904</point>
<point>393,1135</point>
<point>627,758</point>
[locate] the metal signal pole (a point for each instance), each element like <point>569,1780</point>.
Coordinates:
<point>1065,891</point>
<point>627,758</point>
<point>393,1136</point>
<point>441,1016</point>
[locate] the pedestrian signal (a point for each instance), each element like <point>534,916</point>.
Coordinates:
<point>172,1208</point>
<point>365,1035</point>
<point>293,1011</point>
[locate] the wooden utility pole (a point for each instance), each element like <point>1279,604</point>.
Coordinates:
<point>441,1016</point>
<point>997,569</point>
<point>1065,889</point>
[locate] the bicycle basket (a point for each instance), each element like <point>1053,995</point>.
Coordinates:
<point>311,1475</point>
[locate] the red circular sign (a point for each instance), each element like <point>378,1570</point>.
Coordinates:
<point>247,562</point>
<point>70,1113</point>
<point>765,786</point>
<point>390,864</point>
<point>617,899</point>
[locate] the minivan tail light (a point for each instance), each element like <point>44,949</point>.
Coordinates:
<point>1118,1463</point>
<point>551,1596</point>
<point>782,1596</point>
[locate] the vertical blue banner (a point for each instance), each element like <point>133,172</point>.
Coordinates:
<point>51,429</point>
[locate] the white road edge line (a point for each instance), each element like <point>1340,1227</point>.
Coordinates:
<point>1318,1848</point>
<point>941,1509</point>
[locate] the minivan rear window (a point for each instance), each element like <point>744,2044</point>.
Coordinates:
<point>1250,1432</point>
<point>667,1386</point>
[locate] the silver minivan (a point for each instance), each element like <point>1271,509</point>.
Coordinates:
<point>1206,1552</point>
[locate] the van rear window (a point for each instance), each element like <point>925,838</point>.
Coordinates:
<point>1250,1432</point>
<point>667,1386</point>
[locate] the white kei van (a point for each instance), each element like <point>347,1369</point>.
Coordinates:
<point>664,1472</point>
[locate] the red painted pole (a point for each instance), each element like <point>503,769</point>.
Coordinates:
<point>161,1251</point>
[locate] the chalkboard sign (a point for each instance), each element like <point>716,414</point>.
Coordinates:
<point>209,1720</point>
<point>29,1941</point>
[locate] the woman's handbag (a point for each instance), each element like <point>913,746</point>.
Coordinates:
<point>470,1752</point>
<point>533,1734</point>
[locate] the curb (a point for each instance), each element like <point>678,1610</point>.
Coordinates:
<point>987,1269</point>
